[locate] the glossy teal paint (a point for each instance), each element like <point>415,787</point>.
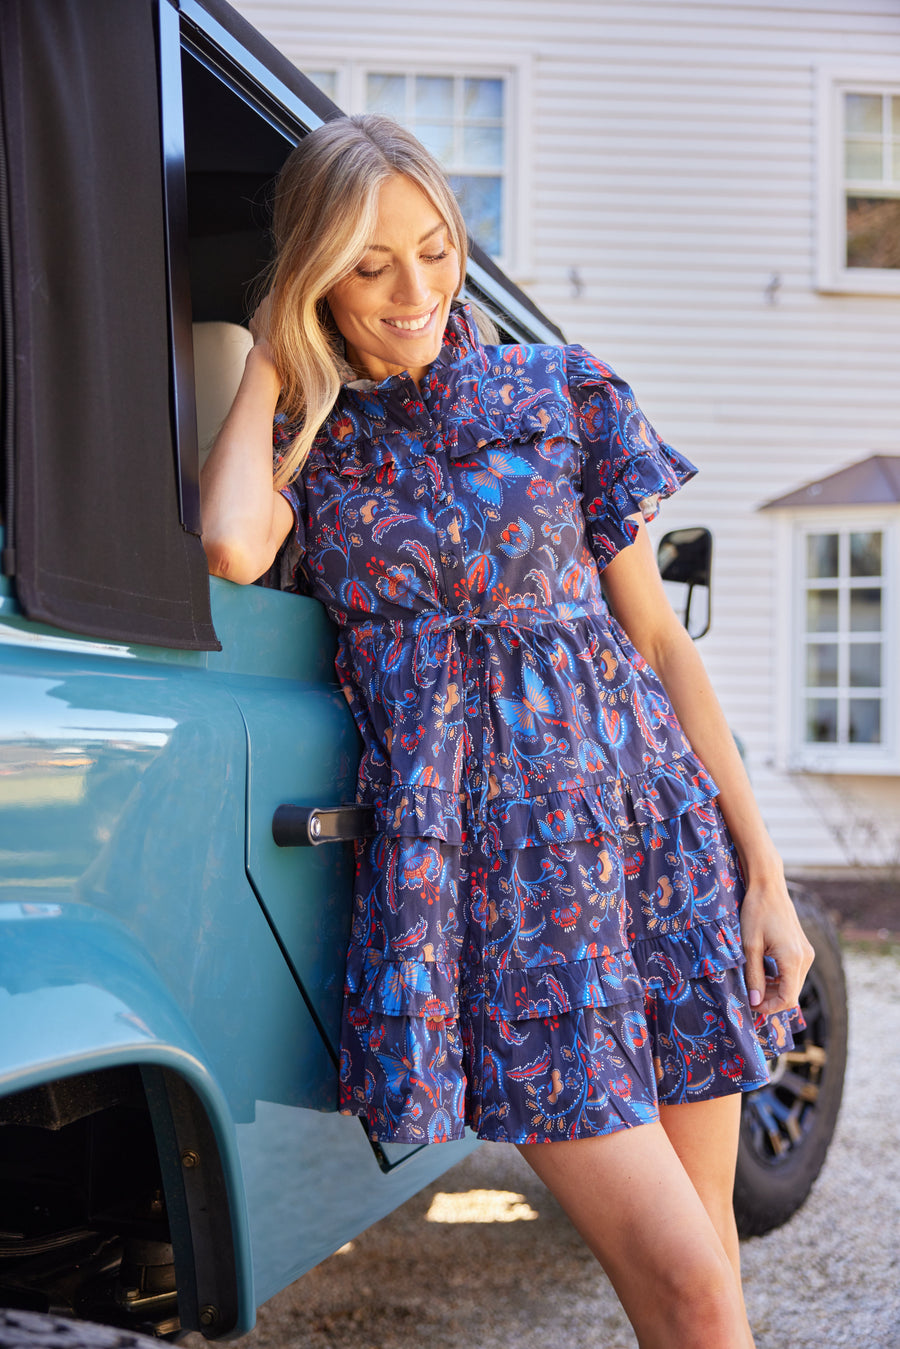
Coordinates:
<point>124,780</point>
<point>77,994</point>
<point>306,891</point>
<point>312,1184</point>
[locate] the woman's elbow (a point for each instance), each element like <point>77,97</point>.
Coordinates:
<point>233,560</point>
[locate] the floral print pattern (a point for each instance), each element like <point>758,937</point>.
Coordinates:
<point>545,930</point>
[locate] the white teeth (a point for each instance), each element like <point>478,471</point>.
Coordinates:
<point>409,325</point>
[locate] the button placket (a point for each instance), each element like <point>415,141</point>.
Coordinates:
<point>451,552</point>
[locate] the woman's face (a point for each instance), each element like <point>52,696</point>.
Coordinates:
<point>393,307</point>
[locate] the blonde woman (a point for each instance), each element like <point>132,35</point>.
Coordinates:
<point>559,930</point>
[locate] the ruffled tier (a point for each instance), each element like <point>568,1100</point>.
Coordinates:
<point>663,965</point>
<point>561,1050</point>
<point>612,806</point>
<point>589,1070</point>
<point>431,989</point>
<point>775,1034</point>
<point>410,988</point>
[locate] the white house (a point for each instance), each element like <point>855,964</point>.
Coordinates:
<point>707,194</point>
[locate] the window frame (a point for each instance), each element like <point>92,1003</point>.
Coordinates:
<point>795,754</point>
<point>352,68</point>
<point>834,79</point>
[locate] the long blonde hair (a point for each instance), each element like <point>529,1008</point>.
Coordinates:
<point>326,206</point>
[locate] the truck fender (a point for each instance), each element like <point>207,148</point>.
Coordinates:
<point>77,994</point>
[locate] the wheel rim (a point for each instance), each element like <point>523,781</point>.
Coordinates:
<point>778,1117</point>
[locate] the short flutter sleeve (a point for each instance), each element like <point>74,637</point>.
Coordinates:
<point>287,568</point>
<point>626,467</point>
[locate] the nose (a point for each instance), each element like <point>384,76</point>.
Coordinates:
<point>412,284</point>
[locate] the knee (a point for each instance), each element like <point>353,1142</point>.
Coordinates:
<point>701,1305</point>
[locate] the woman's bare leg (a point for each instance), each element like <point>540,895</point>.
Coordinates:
<point>705,1136</point>
<point>635,1205</point>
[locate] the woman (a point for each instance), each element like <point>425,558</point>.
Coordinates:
<point>546,941</point>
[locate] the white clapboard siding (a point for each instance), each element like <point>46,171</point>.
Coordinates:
<point>670,148</point>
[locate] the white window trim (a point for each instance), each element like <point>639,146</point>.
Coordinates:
<point>793,753</point>
<point>352,65</point>
<point>833,79</point>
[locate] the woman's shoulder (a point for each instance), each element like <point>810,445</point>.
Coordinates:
<point>567,367</point>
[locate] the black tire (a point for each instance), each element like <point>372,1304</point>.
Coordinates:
<point>787,1126</point>
<point>34,1330</point>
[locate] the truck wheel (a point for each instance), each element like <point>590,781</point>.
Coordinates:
<point>34,1330</point>
<point>787,1125</point>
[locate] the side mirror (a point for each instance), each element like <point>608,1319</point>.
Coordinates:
<point>684,558</point>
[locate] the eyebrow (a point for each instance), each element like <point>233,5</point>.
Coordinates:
<point>380,248</point>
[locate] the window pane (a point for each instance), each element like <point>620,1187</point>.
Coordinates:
<point>483,98</point>
<point>895,115</point>
<point>865,610</point>
<point>865,554</point>
<point>480,199</point>
<point>895,162</point>
<point>821,721</point>
<point>865,665</point>
<point>865,721</point>
<point>822,665</point>
<point>821,555</point>
<point>483,146</point>
<point>326,80</point>
<point>873,232</point>
<point>387,94</point>
<point>863,159</point>
<point>863,113</point>
<point>438,138</point>
<point>821,611</point>
<point>434,96</point>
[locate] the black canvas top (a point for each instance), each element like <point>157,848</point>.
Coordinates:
<point>94,537</point>
<point>93,514</point>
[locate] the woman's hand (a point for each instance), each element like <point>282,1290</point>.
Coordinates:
<point>259,323</point>
<point>770,928</point>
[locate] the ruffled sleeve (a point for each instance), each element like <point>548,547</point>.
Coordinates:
<point>287,566</point>
<point>626,467</point>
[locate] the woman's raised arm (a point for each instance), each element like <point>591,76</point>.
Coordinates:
<point>245,521</point>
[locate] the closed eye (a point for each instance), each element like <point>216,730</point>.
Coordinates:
<point>372,273</point>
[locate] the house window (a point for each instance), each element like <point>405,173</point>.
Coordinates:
<point>871,179</point>
<point>836,667</point>
<point>468,119</point>
<point>842,663</point>
<point>836,663</point>
<point>326,80</point>
<point>461,119</point>
<point>859,184</point>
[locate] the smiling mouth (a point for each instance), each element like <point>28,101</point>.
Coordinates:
<point>411,325</point>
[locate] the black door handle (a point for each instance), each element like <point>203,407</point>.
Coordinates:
<point>300,826</point>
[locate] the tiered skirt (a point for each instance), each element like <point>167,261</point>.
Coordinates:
<point>559,971</point>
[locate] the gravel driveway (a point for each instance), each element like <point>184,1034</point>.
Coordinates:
<point>485,1259</point>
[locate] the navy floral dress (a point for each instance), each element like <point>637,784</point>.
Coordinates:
<point>545,939</point>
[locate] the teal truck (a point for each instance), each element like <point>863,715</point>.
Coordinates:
<point>177,765</point>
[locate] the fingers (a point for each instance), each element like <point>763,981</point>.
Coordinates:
<point>259,320</point>
<point>772,935</point>
<point>754,972</point>
<point>792,964</point>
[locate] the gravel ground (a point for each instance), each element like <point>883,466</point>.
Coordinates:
<point>485,1258</point>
